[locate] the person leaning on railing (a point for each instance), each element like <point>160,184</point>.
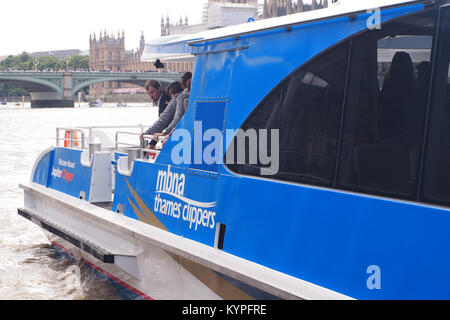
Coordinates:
<point>182,106</point>
<point>167,116</point>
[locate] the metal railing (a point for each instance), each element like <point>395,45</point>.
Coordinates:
<point>151,152</point>
<point>92,129</point>
<point>76,138</point>
<point>142,148</point>
<point>120,143</point>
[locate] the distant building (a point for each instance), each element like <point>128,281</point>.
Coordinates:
<point>216,14</point>
<point>60,54</point>
<point>107,53</point>
<point>278,8</point>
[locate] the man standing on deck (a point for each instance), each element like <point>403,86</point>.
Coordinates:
<point>182,106</point>
<point>158,95</point>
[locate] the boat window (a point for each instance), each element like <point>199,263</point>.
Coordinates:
<point>306,109</point>
<point>436,186</point>
<point>354,117</point>
<point>386,108</point>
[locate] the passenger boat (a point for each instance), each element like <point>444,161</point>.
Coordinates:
<point>95,104</point>
<point>351,200</point>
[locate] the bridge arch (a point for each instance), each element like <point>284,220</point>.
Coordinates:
<point>34,84</point>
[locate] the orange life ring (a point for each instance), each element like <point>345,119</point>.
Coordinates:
<point>68,137</point>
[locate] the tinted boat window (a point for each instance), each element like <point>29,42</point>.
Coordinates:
<point>306,109</point>
<point>386,108</point>
<point>372,142</point>
<point>436,187</point>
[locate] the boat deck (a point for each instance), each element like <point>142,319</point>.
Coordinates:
<point>105,205</point>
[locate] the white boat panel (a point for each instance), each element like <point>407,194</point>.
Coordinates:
<point>113,231</point>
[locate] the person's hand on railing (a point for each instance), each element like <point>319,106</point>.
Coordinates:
<point>157,136</point>
<point>167,137</point>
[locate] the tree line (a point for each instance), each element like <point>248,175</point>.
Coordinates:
<point>26,62</point>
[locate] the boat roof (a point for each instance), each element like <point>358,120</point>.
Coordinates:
<point>177,47</point>
<point>344,7</point>
<point>172,47</point>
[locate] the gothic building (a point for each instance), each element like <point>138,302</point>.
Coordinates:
<point>167,25</point>
<point>277,8</point>
<point>216,14</point>
<point>107,53</point>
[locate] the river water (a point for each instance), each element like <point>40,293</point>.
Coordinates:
<point>29,267</point>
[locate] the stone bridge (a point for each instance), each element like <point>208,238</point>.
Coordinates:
<point>58,89</point>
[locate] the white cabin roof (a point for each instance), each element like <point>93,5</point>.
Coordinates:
<point>175,47</point>
<point>344,7</point>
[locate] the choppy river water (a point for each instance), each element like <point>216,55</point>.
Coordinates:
<point>29,267</point>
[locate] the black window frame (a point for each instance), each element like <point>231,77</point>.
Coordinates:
<point>439,85</point>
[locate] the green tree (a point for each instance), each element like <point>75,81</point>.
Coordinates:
<point>79,62</point>
<point>24,61</point>
<point>20,62</point>
<point>49,62</point>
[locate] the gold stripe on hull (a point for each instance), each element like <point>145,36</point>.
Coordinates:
<point>223,288</point>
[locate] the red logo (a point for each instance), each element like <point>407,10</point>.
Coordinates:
<point>67,176</point>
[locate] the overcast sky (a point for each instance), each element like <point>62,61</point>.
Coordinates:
<point>42,25</point>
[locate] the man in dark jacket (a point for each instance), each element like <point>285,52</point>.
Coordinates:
<point>167,116</point>
<point>158,95</point>
<point>182,105</point>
